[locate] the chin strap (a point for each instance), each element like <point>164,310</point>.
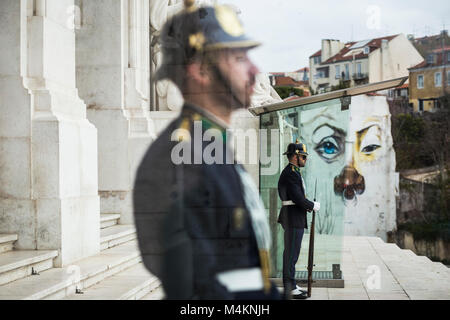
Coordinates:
<point>227,86</point>
<point>298,160</point>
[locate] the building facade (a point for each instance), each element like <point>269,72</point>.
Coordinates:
<point>340,64</point>
<point>298,79</point>
<point>430,79</point>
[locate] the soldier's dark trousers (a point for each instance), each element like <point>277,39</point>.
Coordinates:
<point>292,244</point>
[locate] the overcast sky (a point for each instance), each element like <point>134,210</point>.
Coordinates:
<point>291,30</point>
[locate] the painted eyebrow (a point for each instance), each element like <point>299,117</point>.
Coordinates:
<point>317,117</point>
<point>367,128</point>
<point>336,130</point>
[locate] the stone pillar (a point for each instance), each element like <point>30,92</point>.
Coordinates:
<point>48,147</point>
<point>113,79</point>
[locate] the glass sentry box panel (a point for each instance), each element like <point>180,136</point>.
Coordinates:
<point>352,160</point>
<point>321,126</point>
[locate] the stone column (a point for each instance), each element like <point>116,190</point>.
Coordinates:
<point>48,147</point>
<point>113,79</point>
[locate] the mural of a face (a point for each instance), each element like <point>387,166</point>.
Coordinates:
<point>354,162</point>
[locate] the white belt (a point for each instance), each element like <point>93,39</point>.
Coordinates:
<point>250,279</point>
<point>288,203</point>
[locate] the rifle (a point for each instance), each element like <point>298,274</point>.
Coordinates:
<point>311,247</point>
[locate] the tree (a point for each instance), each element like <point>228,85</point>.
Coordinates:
<point>285,92</point>
<point>408,134</point>
<point>437,138</point>
<point>341,85</point>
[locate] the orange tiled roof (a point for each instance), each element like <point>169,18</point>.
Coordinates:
<point>420,65</point>
<point>373,45</point>
<point>287,81</point>
<point>446,48</point>
<point>294,97</point>
<point>318,53</point>
<point>438,62</point>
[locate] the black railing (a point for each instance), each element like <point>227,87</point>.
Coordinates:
<point>360,76</point>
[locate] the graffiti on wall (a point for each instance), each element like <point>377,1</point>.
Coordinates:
<point>352,157</point>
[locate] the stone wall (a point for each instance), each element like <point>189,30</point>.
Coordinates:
<point>417,199</point>
<point>436,250</point>
<point>49,188</point>
<point>113,76</point>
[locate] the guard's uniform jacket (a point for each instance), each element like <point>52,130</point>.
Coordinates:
<point>291,187</point>
<point>194,225</point>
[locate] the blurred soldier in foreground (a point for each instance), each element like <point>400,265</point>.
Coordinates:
<point>201,225</point>
<point>291,189</point>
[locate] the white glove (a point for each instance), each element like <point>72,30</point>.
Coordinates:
<point>316,206</point>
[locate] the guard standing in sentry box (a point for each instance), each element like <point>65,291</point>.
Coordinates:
<point>201,225</point>
<point>291,189</point>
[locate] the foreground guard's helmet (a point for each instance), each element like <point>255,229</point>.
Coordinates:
<point>296,148</point>
<point>197,30</point>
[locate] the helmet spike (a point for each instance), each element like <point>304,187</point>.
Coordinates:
<point>189,3</point>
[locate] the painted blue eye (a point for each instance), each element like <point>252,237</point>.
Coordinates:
<point>329,148</point>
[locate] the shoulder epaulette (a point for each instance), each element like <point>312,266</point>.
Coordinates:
<point>185,125</point>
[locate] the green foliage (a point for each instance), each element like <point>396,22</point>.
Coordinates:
<point>408,132</point>
<point>421,140</point>
<point>412,128</point>
<point>341,85</point>
<point>428,231</point>
<point>285,92</point>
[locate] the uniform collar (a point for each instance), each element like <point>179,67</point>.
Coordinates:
<point>208,115</point>
<point>294,167</point>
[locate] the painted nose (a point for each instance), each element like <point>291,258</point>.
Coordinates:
<point>349,183</point>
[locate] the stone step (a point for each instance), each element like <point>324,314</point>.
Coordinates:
<point>408,253</point>
<point>130,284</point>
<point>109,219</point>
<point>156,294</point>
<point>58,283</point>
<point>434,270</point>
<point>115,235</point>
<point>7,242</point>
<point>19,264</point>
<point>440,268</point>
<point>411,256</point>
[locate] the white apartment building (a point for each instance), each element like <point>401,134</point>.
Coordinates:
<point>356,63</point>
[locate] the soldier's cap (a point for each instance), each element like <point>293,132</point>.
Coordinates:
<point>296,148</point>
<point>197,30</point>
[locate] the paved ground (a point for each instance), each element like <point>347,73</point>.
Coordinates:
<point>376,270</point>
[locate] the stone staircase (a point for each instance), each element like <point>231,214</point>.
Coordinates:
<point>109,219</point>
<point>403,274</point>
<point>115,273</point>
<point>112,233</point>
<point>130,284</point>
<point>18,264</point>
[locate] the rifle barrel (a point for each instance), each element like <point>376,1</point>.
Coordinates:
<point>311,247</point>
